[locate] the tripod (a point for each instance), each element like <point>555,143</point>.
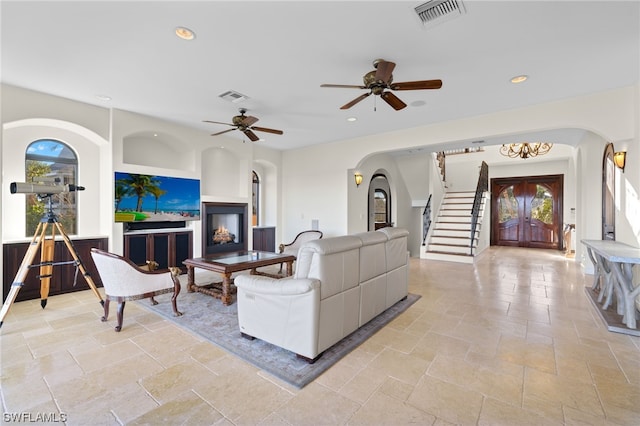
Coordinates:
<point>46,246</point>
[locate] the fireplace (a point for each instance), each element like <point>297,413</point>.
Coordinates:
<point>224,228</point>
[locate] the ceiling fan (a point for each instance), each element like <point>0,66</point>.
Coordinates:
<point>244,123</point>
<point>378,80</point>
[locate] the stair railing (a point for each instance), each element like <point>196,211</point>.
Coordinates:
<point>481,188</point>
<point>426,220</point>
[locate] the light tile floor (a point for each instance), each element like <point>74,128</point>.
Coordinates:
<point>510,340</point>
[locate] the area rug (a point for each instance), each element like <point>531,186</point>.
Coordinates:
<point>217,323</point>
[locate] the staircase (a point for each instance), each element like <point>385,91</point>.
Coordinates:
<point>451,236</point>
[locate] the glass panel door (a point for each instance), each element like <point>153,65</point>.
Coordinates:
<point>527,211</point>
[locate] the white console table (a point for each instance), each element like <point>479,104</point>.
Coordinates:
<point>614,276</point>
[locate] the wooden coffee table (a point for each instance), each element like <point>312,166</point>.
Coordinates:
<point>227,263</point>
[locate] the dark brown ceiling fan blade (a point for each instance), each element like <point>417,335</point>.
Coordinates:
<point>251,135</point>
<point>393,100</point>
<point>224,131</point>
<point>416,85</point>
<point>355,101</point>
<point>264,129</point>
<point>384,70</point>
<point>217,122</point>
<point>344,86</point>
<point>249,120</point>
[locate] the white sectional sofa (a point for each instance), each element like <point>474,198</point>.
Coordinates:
<point>340,284</point>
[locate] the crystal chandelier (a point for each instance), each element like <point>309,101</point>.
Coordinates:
<point>525,149</point>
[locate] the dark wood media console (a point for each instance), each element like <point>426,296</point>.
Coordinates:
<point>168,248</point>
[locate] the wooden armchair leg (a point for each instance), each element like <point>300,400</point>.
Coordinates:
<point>176,291</point>
<point>120,315</point>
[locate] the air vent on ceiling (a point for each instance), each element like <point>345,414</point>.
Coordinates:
<point>435,12</point>
<point>233,96</point>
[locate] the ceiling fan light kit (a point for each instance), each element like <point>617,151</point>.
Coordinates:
<point>245,124</point>
<point>379,82</point>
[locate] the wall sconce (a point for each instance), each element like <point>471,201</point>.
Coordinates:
<point>358,177</point>
<point>619,159</point>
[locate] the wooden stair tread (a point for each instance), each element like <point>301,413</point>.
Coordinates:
<point>450,245</point>
<point>450,253</point>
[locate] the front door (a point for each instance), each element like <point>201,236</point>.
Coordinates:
<point>527,211</point>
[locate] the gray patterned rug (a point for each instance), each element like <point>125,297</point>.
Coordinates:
<point>217,323</point>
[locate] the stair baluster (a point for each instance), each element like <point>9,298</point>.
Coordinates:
<point>426,220</point>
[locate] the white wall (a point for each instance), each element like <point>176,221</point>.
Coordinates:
<point>627,196</point>
<point>20,104</point>
<point>126,142</point>
<point>17,136</point>
<point>316,182</point>
<point>268,163</point>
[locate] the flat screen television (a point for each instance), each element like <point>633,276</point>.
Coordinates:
<point>149,198</point>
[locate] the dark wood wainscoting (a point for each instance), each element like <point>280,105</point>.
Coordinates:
<point>64,276</point>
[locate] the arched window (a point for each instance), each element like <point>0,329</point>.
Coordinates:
<point>608,194</point>
<point>51,162</point>
<point>380,206</point>
<point>255,200</point>
<point>379,202</point>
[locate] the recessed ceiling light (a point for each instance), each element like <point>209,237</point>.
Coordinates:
<point>519,79</point>
<point>103,97</point>
<point>185,33</point>
<point>351,119</point>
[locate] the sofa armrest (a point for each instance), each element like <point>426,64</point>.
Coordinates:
<point>267,285</point>
<point>282,312</point>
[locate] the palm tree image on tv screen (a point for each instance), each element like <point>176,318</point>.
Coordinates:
<point>152,198</point>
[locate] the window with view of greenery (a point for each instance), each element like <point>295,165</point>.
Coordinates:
<point>542,205</point>
<point>51,162</point>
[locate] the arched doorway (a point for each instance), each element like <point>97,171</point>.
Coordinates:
<point>379,205</point>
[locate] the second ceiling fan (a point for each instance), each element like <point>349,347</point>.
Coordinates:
<point>381,79</point>
<point>244,123</point>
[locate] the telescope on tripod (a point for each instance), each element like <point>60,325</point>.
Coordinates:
<point>44,243</point>
<point>42,188</point>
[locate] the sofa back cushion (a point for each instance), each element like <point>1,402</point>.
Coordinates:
<point>334,261</point>
<point>396,247</point>
<point>372,254</point>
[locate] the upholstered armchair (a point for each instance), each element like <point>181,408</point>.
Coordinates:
<point>123,281</point>
<point>293,247</point>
